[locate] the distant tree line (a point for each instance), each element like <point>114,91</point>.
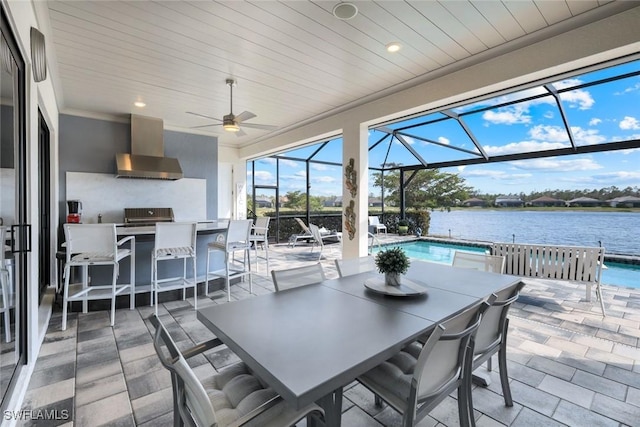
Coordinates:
<point>603,194</point>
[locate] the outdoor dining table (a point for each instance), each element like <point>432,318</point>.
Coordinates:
<point>307,343</point>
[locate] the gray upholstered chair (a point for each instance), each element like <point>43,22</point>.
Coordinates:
<point>478,261</point>
<point>233,397</point>
<point>349,267</point>
<point>419,377</point>
<point>491,338</point>
<point>298,276</point>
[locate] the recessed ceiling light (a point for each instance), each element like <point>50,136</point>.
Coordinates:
<point>139,104</point>
<point>345,11</point>
<point>393,47</point>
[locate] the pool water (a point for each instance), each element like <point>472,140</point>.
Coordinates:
<point>617,274</point>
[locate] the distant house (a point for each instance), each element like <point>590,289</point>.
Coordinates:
<point>625,202</point>
<point>474,203</point>
<point>509,202</point>
<point>375,202</point>
<point>264,203</point>
<point>334,202</point>
<point>584,202</point>
<point>546,201</point>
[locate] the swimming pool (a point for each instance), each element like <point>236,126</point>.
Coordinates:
<point>617,274</point>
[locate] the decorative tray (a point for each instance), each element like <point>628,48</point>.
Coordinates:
<point>407,287</point>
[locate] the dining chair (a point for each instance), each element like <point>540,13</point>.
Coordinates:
<point>349,267</point>
<point>260,236</point>
<point>236,239</point>
<point>421,375</point>
<point>7,301</point>
<point>491,338</point>
<point>232,397</point>
<point>478,261</point>
<point>297,276</point>
<point>90,245</point>
<point>174,241</point>
<point>374,222</point>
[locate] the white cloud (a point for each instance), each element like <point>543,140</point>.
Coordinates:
<point>324,179</point>
<point>291,163</point>
<point>563,84</point>
<point>549,133</point>
<point>520,147</point>
<point>268,160</point>
<point>634,88</point>
<point>461,168</point>
<point>553,164</point>
<point>579,97</point>
<point>318,166</point>
<point>629,123</point>
<point>443,140</point>
<point>507,116</point>
<point>587,136</point>
<point>495,174</point>
<point>595,121</point>
<point>548,115</point>
<point>407,139</point>
<point>264,176</point>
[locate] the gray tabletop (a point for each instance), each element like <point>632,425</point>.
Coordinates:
<point>310,341</point>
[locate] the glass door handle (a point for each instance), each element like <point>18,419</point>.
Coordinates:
<point>24,239</point>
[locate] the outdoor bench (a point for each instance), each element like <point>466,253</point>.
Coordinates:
<point>571,263</point>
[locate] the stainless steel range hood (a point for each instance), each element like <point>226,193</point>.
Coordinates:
<point>147,152</point>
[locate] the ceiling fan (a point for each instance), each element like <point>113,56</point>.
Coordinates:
<point>231,122</point>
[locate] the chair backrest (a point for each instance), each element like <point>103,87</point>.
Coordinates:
<point>373,220</point>
<point>5,289</point>
<point>190,397</point>
<point>315,232</point>
<point>175,235</point>
<point>442,358</point>
<point>298,276</point>
<point>478,261</point>
<point>90,238</point>
<point>349,267</point>
<point>261,227</point>
<point>494,320</point>
<point>239,231</point>
<point>303,226</point>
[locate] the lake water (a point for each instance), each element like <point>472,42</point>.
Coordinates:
<point>619,232</point>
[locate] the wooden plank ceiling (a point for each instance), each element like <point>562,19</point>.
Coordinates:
<point>293,60</point>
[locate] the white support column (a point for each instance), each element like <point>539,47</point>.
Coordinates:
<point>355,190</point>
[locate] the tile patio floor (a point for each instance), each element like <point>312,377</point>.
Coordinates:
<point>568,365</point>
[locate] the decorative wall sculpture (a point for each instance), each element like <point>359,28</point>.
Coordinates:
<point>350,219</point>
<point>351,178</point>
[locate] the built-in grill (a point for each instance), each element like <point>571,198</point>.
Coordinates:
<point>147,216</point>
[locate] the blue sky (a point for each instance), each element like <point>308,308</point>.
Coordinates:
<point>596,114</point>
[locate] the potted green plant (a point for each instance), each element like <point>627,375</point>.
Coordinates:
<point>392,263</point>
<point>403,227</point>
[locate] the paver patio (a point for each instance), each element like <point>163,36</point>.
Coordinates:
<point>568,365</point>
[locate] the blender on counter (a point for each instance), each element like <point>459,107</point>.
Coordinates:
<point>74,211</point>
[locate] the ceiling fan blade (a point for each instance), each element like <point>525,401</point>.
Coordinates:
<point>205,126</point>
<point>203,115</point>
<point>240,133</point>
<point>245,115</point>
<point>259,126</point>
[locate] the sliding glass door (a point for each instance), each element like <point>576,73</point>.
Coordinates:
<point>15,233</point>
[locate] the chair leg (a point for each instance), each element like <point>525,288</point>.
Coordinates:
<point>502,365</point>
<point>65,297</point>
<point>206,275</point>
<point>599,296</point>
<point>266,252</point>
<point>132,277</point>
<point>228,282</point>
<point>85,285</point>
<point>195,284</point>
<point>489,364</point>
<point>113,294</point>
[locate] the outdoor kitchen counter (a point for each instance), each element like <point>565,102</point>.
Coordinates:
<point>204,227</point>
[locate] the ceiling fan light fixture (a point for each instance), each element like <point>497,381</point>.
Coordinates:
<point>230,125</point>
<point>345,11</point>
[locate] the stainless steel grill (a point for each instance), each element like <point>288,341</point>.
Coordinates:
<point>147,216</point>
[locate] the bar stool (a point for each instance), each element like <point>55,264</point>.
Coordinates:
<point>89,245</point>
<point>260,236</point>
<point>174,241</point>
<point>236,239</point>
